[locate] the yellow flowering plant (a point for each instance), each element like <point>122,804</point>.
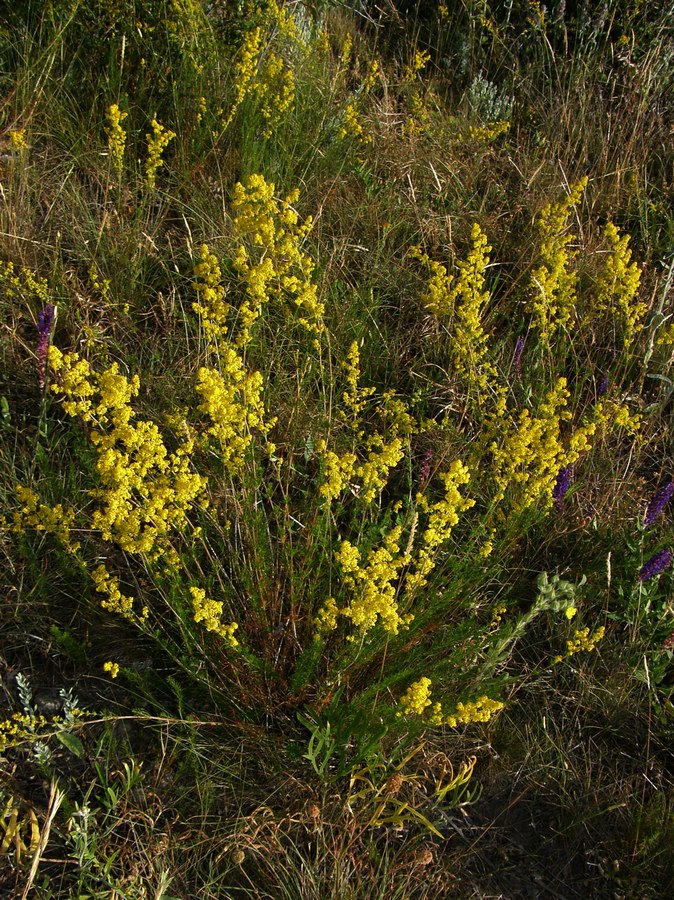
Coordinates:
<point>337,372</point>
<point>157,141</point>
<point>553,282</point>
<point>270,258</point>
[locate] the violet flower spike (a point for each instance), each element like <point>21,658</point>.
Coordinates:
<point>658,502</point>
<point>656,565</point>
<point>425,469</point>
<point>562,485</point>
<point>45,323</point>
<point>603,385</point>
<point>517,356</point>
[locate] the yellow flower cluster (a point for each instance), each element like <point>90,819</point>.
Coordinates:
<point>279,268</point>
<point>616,288</point>
<point>584,641</point>
<point>371,77</point>
<point>553,286</point>
<point>184,20</point>
<point>245,70</point>
<point>202,106</point>
<point>609,414</point>
<point>373,586</point>
<point>485,134</point>
<point>144,490</point>
<point>417,698</point>
<point>275,91</point>
<point>22,727</point>
<point>442,517</point>
<point>337,471</point>
<point>25,284</point>
<point>116,137</point>
<point>75,383</point>
<point>665,334</point>
<point>326,620</point>
<point>384,450</point>
<point>416,64</point>
<point>497,615</point>
<point>355,397</point>
<point>211,306</point>
<point>462,299</point>
<point>480,710</point>
<point>232,399</point>
<point>19,727</point>
<point>100,285</point>
<point>157,142</point>
<point>210,613</point>
<point>17,139</point>
<point>418,118</point>
<point>351,125</point>
<point>115,601</point>
<point>112,668</point>
<point>52,519</point>
<point>382,456</point>
<point>532,454</point>
<point>272,82</point>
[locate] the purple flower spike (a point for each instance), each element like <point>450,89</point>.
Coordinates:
<point>657,502</point>
<point>603,385</point>
<point>517,356</point>
<point>45,323</point>
<point>562,484</point>
<point>425,469</point>
<point>45,319</point>
<point>656,565</point>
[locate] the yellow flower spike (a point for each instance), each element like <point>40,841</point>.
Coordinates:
<point>354,397</point>
<point>570,612</point>
<point>52,519</point>
<point>337,473</point>
<point>245,70</point>
<point>232,400</point>
<point>553,285</point>
<point>210,613</point>
<point>372,585</point>
<point>345,52</point>
<point>530,454</point>
<point>211,306</point>
<point>461,299</point>
<point>144,490</point>
<point>275,90</point>
<point>157,142</point>
<point>283,271</point>
<point>114,601</point>
<point>261,73</point>
<point>116,137</point>
<point>17,139</point>
<point>442,517</point>
<point>480,710</point>
<point>326,619</point>
<point>384,451</point>
<point>616,288</point>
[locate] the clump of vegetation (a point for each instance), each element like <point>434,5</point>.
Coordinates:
<point>335,427</point>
